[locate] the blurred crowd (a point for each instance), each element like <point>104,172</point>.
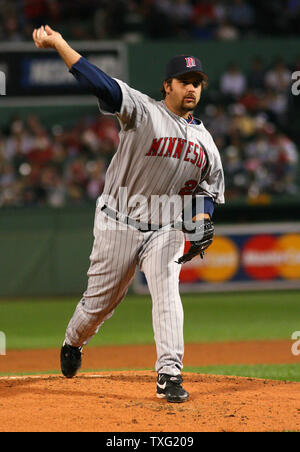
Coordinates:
<point>55,167</point>
<point>154,19</point>
<point>248,114</point>
<point>250,120</point>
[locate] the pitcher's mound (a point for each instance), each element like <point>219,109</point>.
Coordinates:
<point>126,402</point>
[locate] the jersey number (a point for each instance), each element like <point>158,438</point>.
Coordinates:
<point>188,188</point>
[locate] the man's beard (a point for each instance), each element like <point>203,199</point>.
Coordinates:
<point>190,107</point>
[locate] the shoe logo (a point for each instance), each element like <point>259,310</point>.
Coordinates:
<point>162,386</point>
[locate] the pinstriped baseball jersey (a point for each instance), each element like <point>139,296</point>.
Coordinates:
<point>160,154</point>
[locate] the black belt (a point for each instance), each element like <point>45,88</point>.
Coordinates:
<point>144,227</point>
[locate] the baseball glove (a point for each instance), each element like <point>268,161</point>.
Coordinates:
<point>206,229</point>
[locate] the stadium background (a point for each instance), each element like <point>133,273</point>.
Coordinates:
<point>55,149</point>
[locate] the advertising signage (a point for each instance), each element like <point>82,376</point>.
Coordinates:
<point>32,72</point>
<point>244,257</point>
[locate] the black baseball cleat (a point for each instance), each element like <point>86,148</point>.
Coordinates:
<point>70,360</point>
<point>170,388</point>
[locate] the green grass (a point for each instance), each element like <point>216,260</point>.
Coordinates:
<point>58,372</point>
<point>285,372</point>
<point>241,316</point>
<point>41,323</point>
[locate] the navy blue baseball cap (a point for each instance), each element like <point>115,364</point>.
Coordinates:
<point>184,64</point>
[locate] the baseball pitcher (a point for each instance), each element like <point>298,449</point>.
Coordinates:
<point>165,156</point>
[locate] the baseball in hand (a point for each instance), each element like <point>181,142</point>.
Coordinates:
<point>41,33</point>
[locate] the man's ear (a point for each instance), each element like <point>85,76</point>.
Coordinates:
<point>167,86</point>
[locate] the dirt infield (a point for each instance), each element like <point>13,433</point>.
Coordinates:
<point>144,356</point>
<point>124,401</point>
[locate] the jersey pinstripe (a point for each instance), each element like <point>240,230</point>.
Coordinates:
<point>160,154</point>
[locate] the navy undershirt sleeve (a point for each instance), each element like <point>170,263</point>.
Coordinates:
<point>208,207</point>
<point>98,83</point>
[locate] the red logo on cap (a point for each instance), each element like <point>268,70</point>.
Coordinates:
<point>190,62</point>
